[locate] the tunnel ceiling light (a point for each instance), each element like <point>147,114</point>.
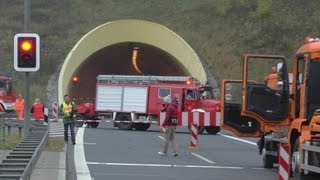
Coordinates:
<point>135,58</point>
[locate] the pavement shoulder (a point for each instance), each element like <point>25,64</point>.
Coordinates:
<point>50,166</point>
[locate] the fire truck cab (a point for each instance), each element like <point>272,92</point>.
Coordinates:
<point>280,115</point>
<point>7,93</point>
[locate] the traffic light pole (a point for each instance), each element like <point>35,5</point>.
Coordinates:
<point>27,75</point>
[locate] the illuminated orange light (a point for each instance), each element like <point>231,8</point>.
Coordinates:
<point>134,60</point>
<point>26,45</point>
<point>188,82</point>
<point>75,79</point>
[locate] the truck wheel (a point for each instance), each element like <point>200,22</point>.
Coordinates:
<point>79,123</point>
<point>200,129</point>
<point>141,126</point>
<point>124,125</point>
<point>94,124</point>
<point>267,160</point>
<point>212,129</point>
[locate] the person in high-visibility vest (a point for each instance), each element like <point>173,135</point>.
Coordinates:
<point>271,80</point>
<point>38,110</point>
<point>67,110</point>
<point>19,107</point>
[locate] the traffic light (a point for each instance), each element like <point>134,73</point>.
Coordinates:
<point>26,52</point>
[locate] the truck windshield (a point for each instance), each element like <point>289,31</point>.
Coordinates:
<point>313,88</point>
<point>205,93</point>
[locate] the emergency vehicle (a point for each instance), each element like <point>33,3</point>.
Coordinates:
<point>7,93</point>
<point>135,101</point>
<point>250,108</point>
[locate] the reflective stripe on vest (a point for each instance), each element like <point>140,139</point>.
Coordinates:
<point>67,107</point>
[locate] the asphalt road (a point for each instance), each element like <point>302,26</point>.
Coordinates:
<point>121,155</point>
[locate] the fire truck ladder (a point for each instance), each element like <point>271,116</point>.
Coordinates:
<point>141,79</point>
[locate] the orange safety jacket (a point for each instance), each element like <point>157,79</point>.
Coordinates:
<point>38,111</point>
<point>272,81</point>
<point>19,105</point>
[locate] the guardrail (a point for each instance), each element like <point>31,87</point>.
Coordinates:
<point>34,159</point>
<point>19,164</point>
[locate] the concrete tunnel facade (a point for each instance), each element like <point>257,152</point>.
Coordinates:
<point>107,49</point>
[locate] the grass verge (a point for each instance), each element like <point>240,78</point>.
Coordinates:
<point>10,142</point>
<point>55,144</point>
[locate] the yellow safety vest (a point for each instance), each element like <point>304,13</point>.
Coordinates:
<point>67,108</point>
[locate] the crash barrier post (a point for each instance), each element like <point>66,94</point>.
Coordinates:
<point>194,136</point>
<point>284,161</point>
<point>55,116</point>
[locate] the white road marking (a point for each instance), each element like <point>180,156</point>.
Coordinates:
<point>129,164</point>
<point>238,139</point>
<point>82,169</point>
<point>143,175</point>
<point>203,158</point>
<point>87,143</point>
<point>164,165</point>
<point>195,154</point>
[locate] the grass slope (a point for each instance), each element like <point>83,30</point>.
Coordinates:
<point>220,31</point>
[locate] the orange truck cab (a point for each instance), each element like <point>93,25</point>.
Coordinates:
<point>289,113</point>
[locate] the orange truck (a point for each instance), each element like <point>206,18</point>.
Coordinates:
<point>289,113</point>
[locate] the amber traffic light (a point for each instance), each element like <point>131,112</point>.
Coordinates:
<point>26,52</point>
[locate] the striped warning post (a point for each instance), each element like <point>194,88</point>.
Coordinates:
<point>162,129</point>
<point>55,115</point>
<point>194,136</point>
<point>202,118</point>
<point>284,162</point>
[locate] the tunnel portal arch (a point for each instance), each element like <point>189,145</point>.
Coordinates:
<point>128,31</point>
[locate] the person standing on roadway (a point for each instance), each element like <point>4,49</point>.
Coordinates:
<point>38,110</point>
<point>169,124</point>
<point>19,107</point>
<point>68,109</point>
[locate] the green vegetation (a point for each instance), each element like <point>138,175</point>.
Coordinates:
<point>55,144</point>
<point>220,31</point>
<point>11,141</point>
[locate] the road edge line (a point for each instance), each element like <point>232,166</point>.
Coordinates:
<point>82,169</point>
<point>238,139</point>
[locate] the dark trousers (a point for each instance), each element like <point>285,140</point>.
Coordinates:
<point>71,125</point>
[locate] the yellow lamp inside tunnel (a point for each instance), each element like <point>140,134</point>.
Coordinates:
<point>134,59</point>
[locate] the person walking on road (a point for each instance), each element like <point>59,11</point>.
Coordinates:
<point>19,107</point>
<point>38,110</point>
<point>67,110</point>
<point>169,124</point>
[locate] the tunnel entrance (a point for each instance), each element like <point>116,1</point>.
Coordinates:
<point>119,59</point>
<point>107,49</point>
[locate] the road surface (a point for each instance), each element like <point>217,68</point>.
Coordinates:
<point>108,153</point>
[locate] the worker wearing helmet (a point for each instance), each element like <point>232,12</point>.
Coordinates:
<point>271,80</point>
<point>68,109</point>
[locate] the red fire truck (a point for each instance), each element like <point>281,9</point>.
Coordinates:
<point>135,101</point>
<point>7,93</point>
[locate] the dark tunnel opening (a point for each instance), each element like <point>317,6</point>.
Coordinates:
<point>117,59</point>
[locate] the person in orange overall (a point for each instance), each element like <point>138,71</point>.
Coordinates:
<point>271,80</point>
<point>19,107</point>
<point>38,110</point>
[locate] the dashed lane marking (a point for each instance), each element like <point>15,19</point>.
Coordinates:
<point>195,154</point>
<point>238,139</point>
<point>203,158</point>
